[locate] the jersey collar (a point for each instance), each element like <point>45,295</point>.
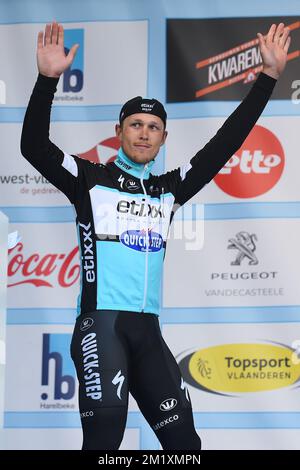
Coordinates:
<point>131,167</point>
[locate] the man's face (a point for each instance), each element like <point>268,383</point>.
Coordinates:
<point>141,136</point>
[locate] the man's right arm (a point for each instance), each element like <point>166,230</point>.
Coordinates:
<point>61,169</point>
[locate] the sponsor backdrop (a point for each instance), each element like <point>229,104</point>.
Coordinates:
<point>230,298</point>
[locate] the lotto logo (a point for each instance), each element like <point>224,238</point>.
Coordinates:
<point>255,168</point>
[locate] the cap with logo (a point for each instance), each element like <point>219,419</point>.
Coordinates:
<point>143,105</point>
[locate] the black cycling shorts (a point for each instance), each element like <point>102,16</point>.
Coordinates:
<point>117,352</point>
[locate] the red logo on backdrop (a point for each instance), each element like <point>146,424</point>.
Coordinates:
<point>95,153</point>
<point>41,271</point>
<point>255,168</point>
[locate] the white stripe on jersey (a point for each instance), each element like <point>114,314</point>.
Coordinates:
<point>70,164</point>
<point>184,169</point>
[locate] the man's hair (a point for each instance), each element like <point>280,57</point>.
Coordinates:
<point>143,105</point>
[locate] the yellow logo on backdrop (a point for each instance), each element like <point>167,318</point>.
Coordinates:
<point>234,368</point>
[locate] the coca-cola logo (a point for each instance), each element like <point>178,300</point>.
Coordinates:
<point>255,168</point>
<point>42,270</point>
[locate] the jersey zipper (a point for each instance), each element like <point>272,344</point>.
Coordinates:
<point>147,241</point>
<point>162,211</point>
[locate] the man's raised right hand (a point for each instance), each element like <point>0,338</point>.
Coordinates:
<point>51,58</point>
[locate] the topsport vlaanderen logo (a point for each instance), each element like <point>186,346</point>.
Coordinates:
<point>239,368</point>
<point>255,168</point>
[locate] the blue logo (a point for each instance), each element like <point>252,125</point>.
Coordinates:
<point>57,348</point>
<point>137,239</point>
<point>73,76</point>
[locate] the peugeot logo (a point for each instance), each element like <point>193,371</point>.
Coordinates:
<point>168,404</point>
<point>86,324</point>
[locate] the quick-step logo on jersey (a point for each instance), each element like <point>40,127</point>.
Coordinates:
<point>137,240</point>
<point>88,264</point>
<point>92,378</point>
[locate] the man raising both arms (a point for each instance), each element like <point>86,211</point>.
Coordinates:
<point>123,215</point>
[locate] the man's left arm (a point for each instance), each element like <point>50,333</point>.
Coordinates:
<point>190,178</point>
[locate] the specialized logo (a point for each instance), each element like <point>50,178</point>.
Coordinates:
<point>244,243</point>
<point>118,380</point>
<point>139,240</point>
<point>168,405</point>
<point>132,185</point>
<point>184,388</point>
<point>88,256</point>
<point>56,349</point>
<point>255,168</point>
<point>91,367</point>
<point>86,324</point>
<point>121,180</point>
<point>165,422</point>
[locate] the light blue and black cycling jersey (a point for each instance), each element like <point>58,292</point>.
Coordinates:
<point>123,210</point>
